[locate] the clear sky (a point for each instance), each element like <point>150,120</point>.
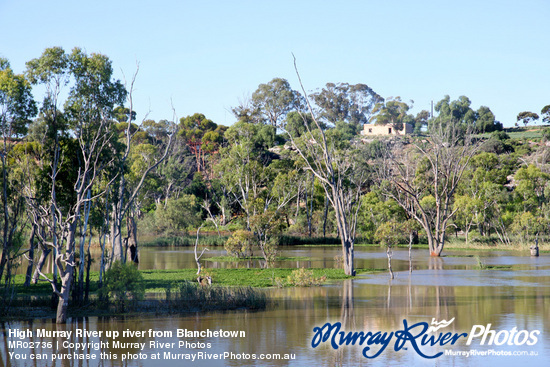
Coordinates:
<point>205,56</point>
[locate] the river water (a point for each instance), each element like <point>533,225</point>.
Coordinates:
<point>514,301</point>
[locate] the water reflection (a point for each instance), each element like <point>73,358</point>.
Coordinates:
<point>444,288</point>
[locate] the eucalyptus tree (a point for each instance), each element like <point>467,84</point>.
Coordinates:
<point>339,167</point>
<point>51,70</point>
<point>392,111</point>
<point>423,178</point>
<point>275,99</point>
<point>527,116</point>
<point>88,112</point>
<point>480,195</point>
<point>350,103</point>
<point>17,106</point>
<point>261,183</point>
<point>334,161</point>
<point>545,114</point>
<point>242,166</point>
<point>486,121</point>
<point>202,136</point>
<point>129,184</point>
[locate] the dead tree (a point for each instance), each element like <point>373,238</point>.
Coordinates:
<point>124,198</point>
<point>423,177</point>
<point>339,172</point>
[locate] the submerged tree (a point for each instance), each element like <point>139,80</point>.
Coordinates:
<point>423,178</point>
<point>16,108</point>
<point>127,190</point>
<point>334,162</point>
<point>88,112</point>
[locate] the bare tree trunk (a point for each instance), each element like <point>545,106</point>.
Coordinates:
<point>309,209</point>
<point>28,276</point>
<point>411,238</point>
<point>325,214</point>
<point>198,258</point>
<point>132,239</point>
<point>40,264</point>
<point>389,254</point>
<point>66,274</point>
<point>84,228</point>
<point>88,265</point>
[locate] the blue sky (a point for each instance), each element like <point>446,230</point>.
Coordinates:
<point>205,56</point>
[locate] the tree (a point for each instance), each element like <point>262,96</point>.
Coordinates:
<point>421,120</point>
<point>294,123</point>
<point>260,182</point>
<point>352,104</point>
<point>527,117</point>
<point>275,99</point>
<point>545,114</point>
<point>424,177</point>
<point>242,168</point>
<point>480,194</point>
<point>392,112</point>
<point>485,121</point>
<point>17,106</point>
<point>201,135</point>
<point>456,112</point>
<point>338,168</point>
<point>51,70</point>
<point>126,192</point>
<point>89,112</point>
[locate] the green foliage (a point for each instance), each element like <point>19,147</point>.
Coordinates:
<point>526,225</point>
<point>346,102</point>
<point>532,187</point>
<point>393,112</point>
<point>123,283</point>
<point>460,114</point>
<point>389,233</point>
<point>17,105</point>
<point>275,99</point>
<point>239,244</point>
<point>527,117</point>
<point>304,278</point>
<point>295,124</point>
<point>375,212</point>
<point>178,216</point>
<point>545,114</point>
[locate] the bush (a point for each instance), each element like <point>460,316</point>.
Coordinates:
<point>179,215</point>
<point>304,278</point>
<point>123,282</point>
<point>239,244</point>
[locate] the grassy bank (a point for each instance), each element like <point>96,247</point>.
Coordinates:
<point>212,239</point>
<point>168,291</point>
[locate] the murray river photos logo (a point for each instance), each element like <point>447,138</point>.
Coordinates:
<point>420,337</point>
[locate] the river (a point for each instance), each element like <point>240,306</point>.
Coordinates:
<point>515,301</point>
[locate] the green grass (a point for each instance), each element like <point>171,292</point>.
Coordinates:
<point>157,280</point>
<point>278,258</point>
<point>185,240</point>
<point>168,291</point>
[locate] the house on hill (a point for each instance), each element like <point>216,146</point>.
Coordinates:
<point>388,129</point>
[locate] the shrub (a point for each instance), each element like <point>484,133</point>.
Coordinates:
<point>304,278</point>
<point>123,282</point>
<point>239,244</point>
